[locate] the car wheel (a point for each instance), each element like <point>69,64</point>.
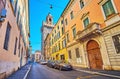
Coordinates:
<point>55,67</point>
<point>60,68</point>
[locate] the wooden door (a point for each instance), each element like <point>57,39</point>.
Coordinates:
<point>94,55</point>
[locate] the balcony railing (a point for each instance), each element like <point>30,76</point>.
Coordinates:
<point>91,30</point>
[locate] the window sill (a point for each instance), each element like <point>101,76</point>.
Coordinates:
<point>111,16</point>
<point>112,19</point>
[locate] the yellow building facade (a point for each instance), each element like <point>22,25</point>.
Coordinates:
<point>58,41</point>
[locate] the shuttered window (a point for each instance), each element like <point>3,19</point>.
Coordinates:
<point>70,56</point>
<point>108,8</point>
<point>7,36</point>
<point>74,32</point>
<point>81,4</point>
<point>15,46</point>
<point>77,52</point>
<point>116,40</point>
<point>86,22</point>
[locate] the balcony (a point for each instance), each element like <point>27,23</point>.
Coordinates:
<point>90,31</point>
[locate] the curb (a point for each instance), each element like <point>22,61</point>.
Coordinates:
<point>27,72</point>
<point>98,73</point>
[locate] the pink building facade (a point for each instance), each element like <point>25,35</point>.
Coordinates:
<point>13,50</point>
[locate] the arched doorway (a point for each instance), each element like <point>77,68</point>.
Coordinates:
<point>94,55</point>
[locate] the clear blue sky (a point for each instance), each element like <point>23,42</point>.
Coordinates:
<point>38,12</point>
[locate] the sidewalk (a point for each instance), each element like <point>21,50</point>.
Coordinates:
<point>21,73</point>
<point>110,73</point>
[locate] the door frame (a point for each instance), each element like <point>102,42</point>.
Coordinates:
<point>88,61</point>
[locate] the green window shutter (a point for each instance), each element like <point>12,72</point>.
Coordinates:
<point>111,8</point>
<point>74,32</point>
<point>108,8</point>
<point>86,22</point>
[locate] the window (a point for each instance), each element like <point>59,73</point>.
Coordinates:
<point>70,56</point>
<point>15,7</point>
<point>57,56</point>
<point>19,43</point>
<point>7,36</point>
<point>19,47</point>
<point>18,16</point>
<point>62,30</point>
<point>52,50</point>
<point>59,46</point>
<point>116,40</point>
<point>58,35</point>
<point>108,8</point>
<point>55,31</point>
<point>12,2</point>
<point>61,21</point>
<point>52,35</point>
<point>77,52</point>
<point>58,27</point>
<point>52,41</point>
<point>62,57</point>
<point>56,48</point>
<point>21,52</point>
<point>86,22</point>
<point>15,46</point>
<point>71,15</point>
<point>55,38</point>
<point>67,36</point>
<point>66,21</point>
<point>81,4</point>
<point>74,32</point>
<point>64,43</point>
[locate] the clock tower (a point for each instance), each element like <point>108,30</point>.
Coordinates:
<point>47,27</point>
<point>49,19</point>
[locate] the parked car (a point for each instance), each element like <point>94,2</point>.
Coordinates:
<point>51,63</point>
<point>43,62</point>
<point>63,65</point>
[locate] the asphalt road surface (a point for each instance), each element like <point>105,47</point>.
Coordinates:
<point>43,72</point>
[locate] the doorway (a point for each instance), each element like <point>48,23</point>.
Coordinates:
<point>94,55</point>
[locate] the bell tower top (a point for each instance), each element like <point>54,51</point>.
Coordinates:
<point>49,19</point>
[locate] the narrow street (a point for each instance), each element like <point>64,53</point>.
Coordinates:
<point>43,72</point>
<point>81,36</point>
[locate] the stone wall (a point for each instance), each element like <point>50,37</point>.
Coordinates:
<point>113,56</point>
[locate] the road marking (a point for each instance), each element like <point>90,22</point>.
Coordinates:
<point>27,72</point>
<point>98,73</point>
<point>77,78</point>
<point>86,71</point>
<point>109,75</point>
<point>89,76</point>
